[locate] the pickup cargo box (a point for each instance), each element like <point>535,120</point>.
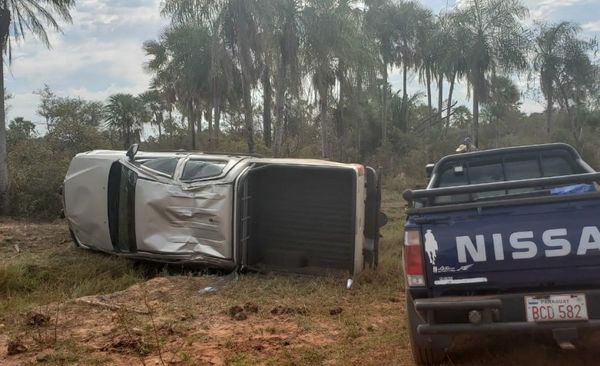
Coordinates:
<point>503,240</point>
<point>225,211</point>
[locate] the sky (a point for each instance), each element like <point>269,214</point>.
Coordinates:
<point>100,53</point>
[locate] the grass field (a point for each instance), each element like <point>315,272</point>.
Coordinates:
<point>61,306</point>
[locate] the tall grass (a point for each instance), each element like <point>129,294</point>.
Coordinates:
<point>35,279</point>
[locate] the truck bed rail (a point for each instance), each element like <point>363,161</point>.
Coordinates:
<point>410,195</point>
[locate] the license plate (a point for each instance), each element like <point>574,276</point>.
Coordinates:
<point>554,308</point>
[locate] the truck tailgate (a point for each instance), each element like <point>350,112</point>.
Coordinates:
<point>510,247</point>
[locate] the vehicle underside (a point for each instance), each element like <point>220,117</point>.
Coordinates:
<point>298,218</point>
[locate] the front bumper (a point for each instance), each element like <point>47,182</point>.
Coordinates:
<point>499,313</point>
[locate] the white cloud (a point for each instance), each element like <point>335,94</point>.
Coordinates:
<point>543,9</point>
<point>97,55</point>
<point>591,26</point>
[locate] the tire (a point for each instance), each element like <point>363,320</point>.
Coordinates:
<point>426,350</point>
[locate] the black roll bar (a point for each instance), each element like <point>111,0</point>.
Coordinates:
<point>410,195</point>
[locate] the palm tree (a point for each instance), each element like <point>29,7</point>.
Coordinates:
<point>182,63</point>
<point>406,22</point>
<point>552,43</point>
<point>451,57</point>
<point>125,114</point>
<point>381,22</point>
<point>503,99</point>
<point>576,81</point>
<point>235,22</point>
<point>155,108</point>
<point>334,43</point>
<point>16,18</point>
<point>497,41</point>
<point>286,36</point>
<point>425,49</point>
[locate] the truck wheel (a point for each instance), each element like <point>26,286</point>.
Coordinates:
<point>426,350</point>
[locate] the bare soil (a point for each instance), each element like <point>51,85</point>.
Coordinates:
<point>254,319</point>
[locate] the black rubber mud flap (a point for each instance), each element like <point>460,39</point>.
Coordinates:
<point>426,350</point>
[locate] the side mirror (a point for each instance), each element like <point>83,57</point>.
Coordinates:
<point>132,151</point>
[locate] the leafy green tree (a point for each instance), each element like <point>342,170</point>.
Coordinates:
<point>498,43</point>
<point>57,109</point>
<point>20,129</point>
<point>17,17</point>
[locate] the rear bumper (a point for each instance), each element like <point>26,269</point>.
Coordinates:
<point>499,313</point>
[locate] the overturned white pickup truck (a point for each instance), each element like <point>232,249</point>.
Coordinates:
<point>226,211</point>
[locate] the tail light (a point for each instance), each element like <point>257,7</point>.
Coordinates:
<point>360,169</point>
<point>413,258</point>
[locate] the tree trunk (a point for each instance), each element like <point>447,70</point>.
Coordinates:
<point>191,120</point>
<point>404,107</point>
<point>3,158</point>
<point>127,135</point>
<point>440,98</point>
<point>358,100</point>
<point>159,123</point>
<point>248,122</point>
<point>549,107</point>
<point>323,122</point>
<point>267,104</point>
<point>384,103</point>
<point>208,114</point>
<point>279,109</point>
<point>246,69</point>
<point>217,114</point>
<point>217,123</point>
<point>450,92</point>
<point>339,137</point>
<point>428,81</point>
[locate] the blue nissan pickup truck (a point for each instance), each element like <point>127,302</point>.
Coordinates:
<point>503,240</point>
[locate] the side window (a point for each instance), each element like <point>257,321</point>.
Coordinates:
<point>556,165</point>
<point>165,166</point>
<point>450,178</point>
<point>201,169</point>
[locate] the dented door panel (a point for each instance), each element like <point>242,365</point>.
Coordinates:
<point>172,220</point>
